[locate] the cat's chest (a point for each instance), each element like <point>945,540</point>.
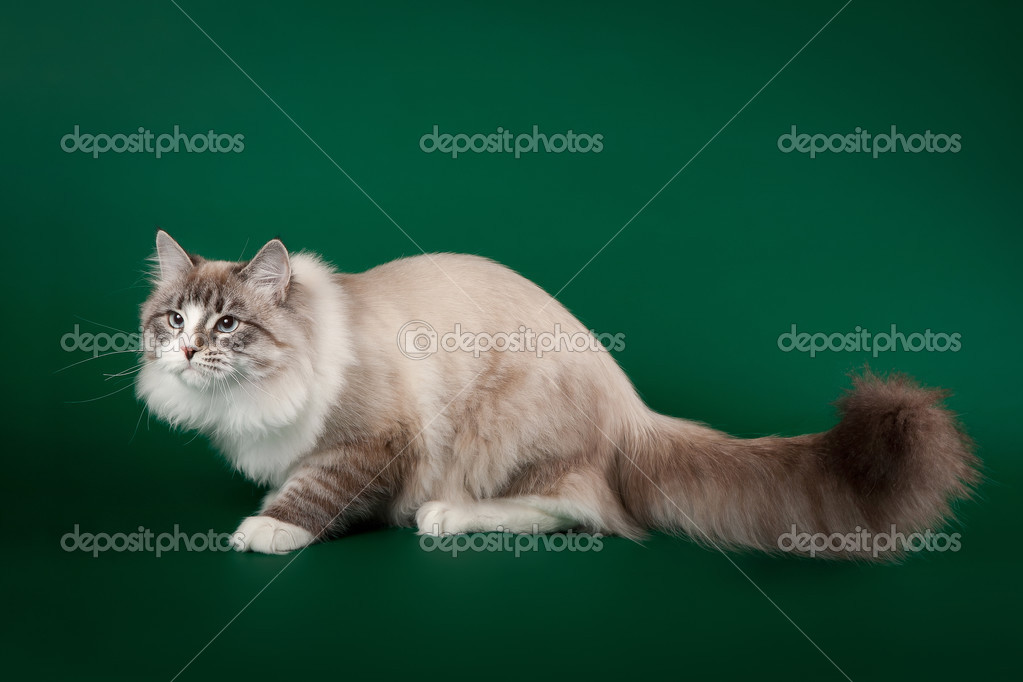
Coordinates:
<point>264,438</point>
<point>266,456</point>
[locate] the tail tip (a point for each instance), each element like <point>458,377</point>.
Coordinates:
<point>896,436</point>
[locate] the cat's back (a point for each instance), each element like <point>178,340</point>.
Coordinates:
<point>456,265</point>
<point>451,277</point>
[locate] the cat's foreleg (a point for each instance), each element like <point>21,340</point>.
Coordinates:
<point>267,535</point>
<point>321,498</point>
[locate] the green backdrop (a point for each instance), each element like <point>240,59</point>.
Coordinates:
<point>745,242</point>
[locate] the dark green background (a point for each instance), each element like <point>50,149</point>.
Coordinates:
<point>745,242</point>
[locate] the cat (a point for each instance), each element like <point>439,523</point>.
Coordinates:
<point>299,376</point>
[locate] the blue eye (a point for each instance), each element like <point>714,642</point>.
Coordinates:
<point>175,320</point>
<point>227,324</point>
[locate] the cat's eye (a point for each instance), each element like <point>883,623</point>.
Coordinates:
<point>175,320</point>
<point>227,324</point>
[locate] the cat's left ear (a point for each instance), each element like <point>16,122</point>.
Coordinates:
<point>271,269</point>
<point>171,259</point>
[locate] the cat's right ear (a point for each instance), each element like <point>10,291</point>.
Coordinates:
<point>171,260</point>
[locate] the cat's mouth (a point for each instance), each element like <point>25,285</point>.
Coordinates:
<point>203,373</point>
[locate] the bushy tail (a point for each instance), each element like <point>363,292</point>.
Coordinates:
<point>886,474</point>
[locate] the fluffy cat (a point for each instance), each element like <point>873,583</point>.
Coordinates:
<point>294,373</point>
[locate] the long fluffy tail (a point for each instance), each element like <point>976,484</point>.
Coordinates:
<point>890,469</point>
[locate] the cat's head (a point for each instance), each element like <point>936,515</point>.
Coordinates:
<point>209,322</point>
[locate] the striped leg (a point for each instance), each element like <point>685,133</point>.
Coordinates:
<point>321,498</point>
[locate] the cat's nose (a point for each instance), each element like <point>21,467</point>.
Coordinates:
<point>190,351</point>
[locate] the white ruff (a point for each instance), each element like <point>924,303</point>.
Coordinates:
<point>264,428</point>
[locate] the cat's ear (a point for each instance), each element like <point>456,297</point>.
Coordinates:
<point>271,269</point>
<point>171,260</point>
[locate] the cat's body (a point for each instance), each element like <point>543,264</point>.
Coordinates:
<point>317,399</point>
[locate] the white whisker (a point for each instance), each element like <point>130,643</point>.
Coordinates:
<point>95,357</point>
<point>238,381</point>
<point>100,324</point>
<point>90,400</point>
<point>145,409</point>
<point>124,373</point>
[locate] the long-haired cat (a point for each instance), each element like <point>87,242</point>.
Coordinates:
<point>296,373</point>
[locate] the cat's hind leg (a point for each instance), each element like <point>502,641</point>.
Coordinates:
<point>522,514</point>
<point>512,515</point>
<point>549,503</point>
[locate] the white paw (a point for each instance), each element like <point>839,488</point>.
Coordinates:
<point>269,536</point>
<point>442,518</point>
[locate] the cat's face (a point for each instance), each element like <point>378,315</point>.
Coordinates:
<point>212,322</point>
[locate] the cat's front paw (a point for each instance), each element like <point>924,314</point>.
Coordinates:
<point>270,536</point>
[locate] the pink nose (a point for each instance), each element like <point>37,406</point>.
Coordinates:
<point>189,352</point>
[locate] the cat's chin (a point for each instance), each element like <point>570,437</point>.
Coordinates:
<point>198,378</point>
